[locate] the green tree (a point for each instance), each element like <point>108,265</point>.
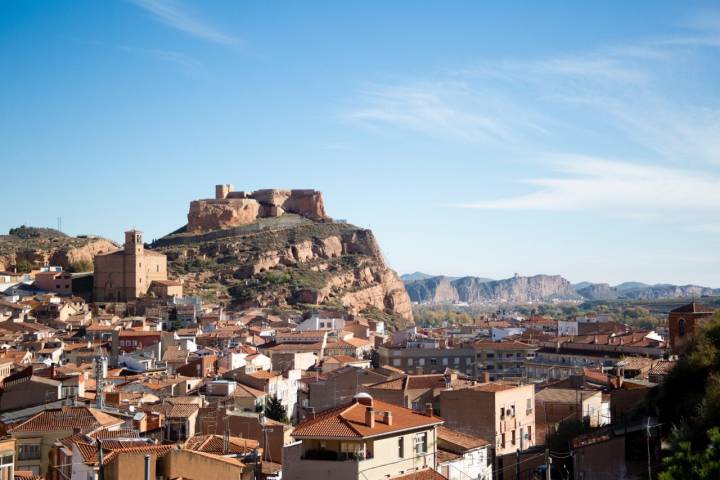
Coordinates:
<point>275,410</point>
<point>684,464</point>
<point>23,266</point>
<point>690,397</point>
<point>81,266</point>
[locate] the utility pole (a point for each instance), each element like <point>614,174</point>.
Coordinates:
<point>147,467</point>
<point>648,449</point>
<point>517,464</point>
<point>548,462</point>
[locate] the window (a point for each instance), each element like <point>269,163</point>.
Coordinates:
<point>502,440</point>
<point>468,360</point>
<point>421,361</point>
<point>512,438</point>
<point>528,406</point>
<point>410,362</point>
<point>420,443</point>
<point>401,447</point>
<point>489,355</point>
<point>456,360</point>
<point>29,452</point>
<point>681,327</point>
<point>445,361</point>
<point>396,362</point>
<point>433,361</point>
<point>529,433</point>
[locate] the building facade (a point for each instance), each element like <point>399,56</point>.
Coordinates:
<point>128,273</point>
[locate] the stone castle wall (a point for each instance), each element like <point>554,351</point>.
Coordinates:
<point>232,208</point>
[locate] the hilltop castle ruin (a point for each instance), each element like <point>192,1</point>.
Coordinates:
<point>233,209</point>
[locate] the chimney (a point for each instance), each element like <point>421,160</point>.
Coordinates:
<point>387,418</point>
<point>486,377</point>
<point>370,417</point>
<point>429,409</point>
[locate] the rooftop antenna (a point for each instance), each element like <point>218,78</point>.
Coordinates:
<point>59,224</point>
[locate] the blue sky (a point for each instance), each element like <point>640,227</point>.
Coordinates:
<point>573,138</point>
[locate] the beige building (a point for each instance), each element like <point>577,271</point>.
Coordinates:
<point>7,458</point>
<point>36,436</point>
<point>501,412</point>
<point>130,272</point>
<point>366,439</point>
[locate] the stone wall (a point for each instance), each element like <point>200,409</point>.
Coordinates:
<point>233,209</point>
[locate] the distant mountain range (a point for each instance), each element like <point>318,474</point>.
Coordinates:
<point>424,288</point>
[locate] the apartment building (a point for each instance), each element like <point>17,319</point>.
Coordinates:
<point>501,412</point>
<point>35,437</point>
<point>503,359</point>
<point>365,439</point>
<point>429,357</point>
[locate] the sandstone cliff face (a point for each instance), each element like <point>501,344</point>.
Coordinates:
<point>301,265</point>
<point>236,209</point>
<point>46,246</point>
<point>539,288</point>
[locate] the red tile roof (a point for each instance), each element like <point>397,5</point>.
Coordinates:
<point>459,442</point>
<point>84,418</point>
<point>422,474</point>
<point>348,421</point>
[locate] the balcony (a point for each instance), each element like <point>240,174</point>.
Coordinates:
<point>330,455</point>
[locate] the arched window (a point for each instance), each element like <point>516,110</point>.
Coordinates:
<point>681,327</point>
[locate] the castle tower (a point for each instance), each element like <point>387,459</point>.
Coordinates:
<point>222,191</point>
<point>134,242</point>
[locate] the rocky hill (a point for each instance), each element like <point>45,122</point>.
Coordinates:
<point>636,291</point>
<point>287,259</point>
<point>474,290</point>
<point>34,247</point>
<point>540,288</point>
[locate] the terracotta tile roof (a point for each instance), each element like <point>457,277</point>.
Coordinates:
<point>263,374</point>
<point>159,450</point>
<point>181,410</point>
<point>215,444</point>
<point>27,475</point>
<point>343,359</point>
<point>494,387</point>
<point>662,367</point>
<point>459,442</point>
<point>244,391</point>
<point>348,421</point>
<point>446,456</point>
<point>422,474</point>
<point>68,418</point>
<point>564,395</point>
<point>595,376</point>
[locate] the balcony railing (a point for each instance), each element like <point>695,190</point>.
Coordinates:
<point>330,455</point>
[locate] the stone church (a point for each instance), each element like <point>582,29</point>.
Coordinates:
<point>131,272</point>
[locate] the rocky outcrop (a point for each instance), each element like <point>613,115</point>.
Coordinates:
<point>603,291</point>
<point>302,266</point>
<point>538,288</point>
<point>234,209</point>
<point>43,246</point>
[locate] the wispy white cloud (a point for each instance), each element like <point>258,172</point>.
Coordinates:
<point>595,184</point>
<point>173,15</point>
<point>184,61</point>
<point>451,109</point>
<point>644,98</point>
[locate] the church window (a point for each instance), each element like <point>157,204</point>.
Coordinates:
<point>681,327</point>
